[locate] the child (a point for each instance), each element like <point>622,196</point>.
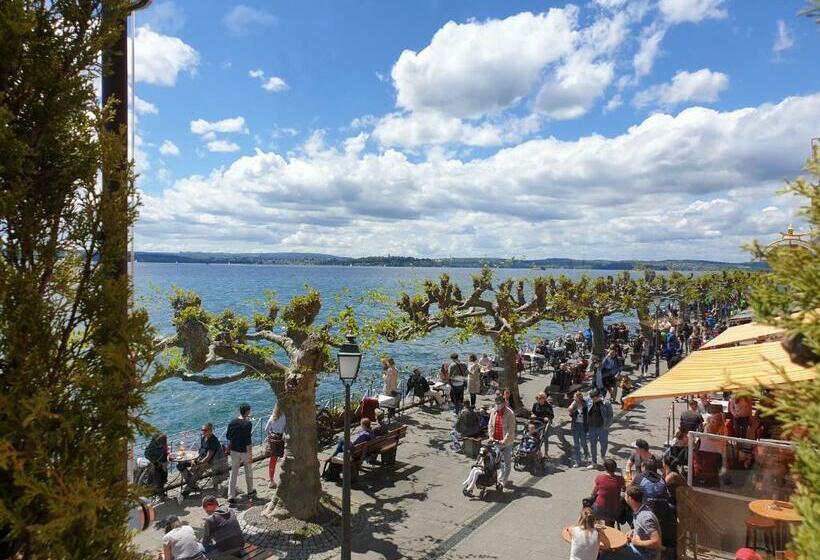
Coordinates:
<point>484,465</point>
<point>531,440</point>
<point>626,386</point>
<point>484,419</point>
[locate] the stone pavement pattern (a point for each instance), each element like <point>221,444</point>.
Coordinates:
<point>416,509</point>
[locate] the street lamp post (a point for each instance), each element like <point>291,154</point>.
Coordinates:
<point>350,358</point>
<point>657,341</point>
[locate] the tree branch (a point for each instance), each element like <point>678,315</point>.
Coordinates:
<point>284,342</point>
<point>209,380</point>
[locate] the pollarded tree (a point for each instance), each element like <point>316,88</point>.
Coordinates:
<point>597,298</point>
<point>290,362</point>
<point>502,313</point>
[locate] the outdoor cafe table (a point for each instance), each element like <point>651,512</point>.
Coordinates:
<point>187,455</point>
<point>781,513</point>
<point>612,538</point>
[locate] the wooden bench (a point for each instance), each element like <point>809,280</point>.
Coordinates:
<point>384,445</point>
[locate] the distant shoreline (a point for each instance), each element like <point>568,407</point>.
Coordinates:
<point>310,259</point>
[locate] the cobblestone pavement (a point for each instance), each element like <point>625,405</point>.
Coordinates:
<point>416,509</point>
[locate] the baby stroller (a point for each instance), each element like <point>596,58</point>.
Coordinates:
<point>484,472</point>
<point>527,455</point>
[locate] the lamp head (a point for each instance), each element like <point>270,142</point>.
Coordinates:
<point>350,358</point>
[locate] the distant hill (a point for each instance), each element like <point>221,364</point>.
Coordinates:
<point>318,259</point>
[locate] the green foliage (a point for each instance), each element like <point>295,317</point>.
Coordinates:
<point>69,395</point>
<point>790,297</point>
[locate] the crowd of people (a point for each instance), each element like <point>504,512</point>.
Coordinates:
<point>643,497</point>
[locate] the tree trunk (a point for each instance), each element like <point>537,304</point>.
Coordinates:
<point>683,310</point>
<point>596,325</point>
<point>645,321</point>
<point>509,355</point>
<point>299,487</point>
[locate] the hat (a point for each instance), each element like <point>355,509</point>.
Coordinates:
<point>641,444</point>
<point>169,522</point>
<point>747,554</point>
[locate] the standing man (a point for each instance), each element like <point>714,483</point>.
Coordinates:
<point>239,439</point>
<point>457,372</point>
<point>501,428</point>
<point>578,417</point>
<point>599,418</point>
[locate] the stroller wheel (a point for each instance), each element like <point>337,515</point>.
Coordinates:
<point>499,487</point>
<point>482,494</point>
<point>519,464</point>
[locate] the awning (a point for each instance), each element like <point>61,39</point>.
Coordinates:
<point>742,333</point>
<point>725,369</point>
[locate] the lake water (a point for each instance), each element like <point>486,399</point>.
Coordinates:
<point>176,406</point>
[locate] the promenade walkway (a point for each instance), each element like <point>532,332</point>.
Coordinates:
<point>416,509</point>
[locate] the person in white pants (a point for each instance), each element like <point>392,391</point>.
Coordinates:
<point>239,438</point>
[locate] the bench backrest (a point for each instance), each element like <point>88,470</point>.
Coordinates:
<point>375,444</point>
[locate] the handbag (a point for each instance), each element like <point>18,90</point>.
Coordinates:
<point>276,444</point>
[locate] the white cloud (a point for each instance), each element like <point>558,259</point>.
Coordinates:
<point>232,125</point>
<point>648,50</point>
<point>707,167</point>
<point>409,130</point>
<point>168,148</point>
<point>615,102</point>
<point>784,40</point>
<point>576,85</point>
<point>143,107</point>
<point>475,68</point>
<point>241,20</point>
<point>274,84</point>
<point>680,11</point>
<point>159,59</point>
<point>702,86</point>
<point>165,17</point>
<point>222,146</point>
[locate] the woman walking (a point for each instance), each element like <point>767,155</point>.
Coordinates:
<point>275,432</point>
<point>580,426</point>
<point>473,378</point>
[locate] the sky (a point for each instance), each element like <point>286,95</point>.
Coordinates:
<point>615,129</point>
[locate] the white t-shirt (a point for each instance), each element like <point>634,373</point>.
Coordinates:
<point>584,544</point>
<point>183,542</point>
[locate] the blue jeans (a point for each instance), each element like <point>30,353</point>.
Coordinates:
<point>629,552</point>
<point>579,440</point>
<point>596,436</point>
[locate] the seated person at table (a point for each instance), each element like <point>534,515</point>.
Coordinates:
<point>585,537</point>
<point>637,457</point>
<point>421,388</point>
<point>692,419</point>
<point>644,541</point>
<point>211,456</point>
<point>221,530</point>
<point>678,453</point>
<point>157,453</point>
<point>469,421</point>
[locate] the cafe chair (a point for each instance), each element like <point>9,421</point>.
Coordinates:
<point>758,527</point>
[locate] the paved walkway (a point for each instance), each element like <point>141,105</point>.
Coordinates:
<point>416,509</point>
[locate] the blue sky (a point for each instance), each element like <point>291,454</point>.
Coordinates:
<point>607,128</point>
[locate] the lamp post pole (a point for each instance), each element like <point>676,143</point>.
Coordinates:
<point>657,342</point>
<point>350,359</point>
<point>346,480</point>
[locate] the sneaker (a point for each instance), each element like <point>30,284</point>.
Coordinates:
<point>272,484</point>
<point>233,501</point>
<point>251,494</point>
<point>575,464</point>
<point>508,484</point>
<point>591,466</point>
<point>467,492</point>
